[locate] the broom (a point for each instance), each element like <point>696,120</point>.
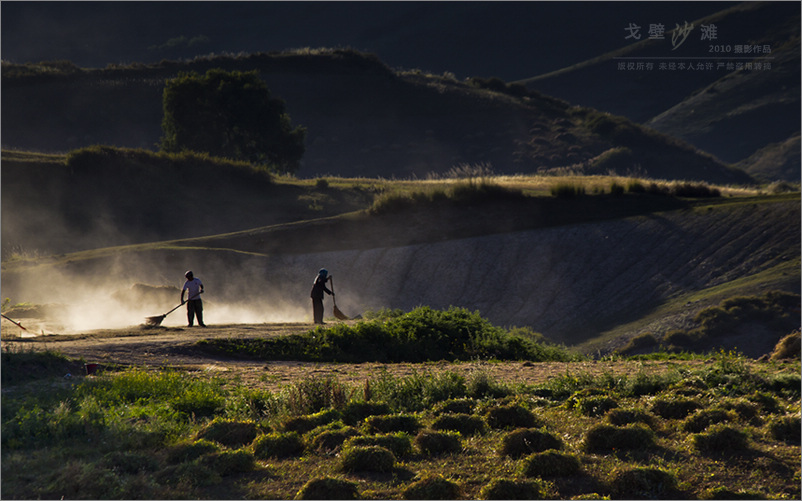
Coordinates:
<point>337,313</point>
<point>157,320</point>
<point>19,324</point>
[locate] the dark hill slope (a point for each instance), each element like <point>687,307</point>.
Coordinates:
<point>571,282</point>
<point>727,112</point>
<point>363,119</point>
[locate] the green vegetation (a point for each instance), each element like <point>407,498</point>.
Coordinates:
<point>420,335</point>
<point>684,433</point>
<point>230,114</point>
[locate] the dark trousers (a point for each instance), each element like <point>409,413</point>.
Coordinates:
<point>317,310</point>
<point>195,309</point>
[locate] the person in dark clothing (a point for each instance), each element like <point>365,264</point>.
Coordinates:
<point>194,304</point>
<point>318,289</point>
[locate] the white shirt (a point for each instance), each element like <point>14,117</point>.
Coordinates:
<point>194,288</point>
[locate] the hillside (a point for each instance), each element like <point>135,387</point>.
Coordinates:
<point>726,111</point>
<point>363,118</point>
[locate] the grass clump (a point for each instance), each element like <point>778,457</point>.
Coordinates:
<point>408,423</point>
<point>367,458</point>
<point>328,488</point>
<point>674,407</point>
<point>435,443</point>
<point>524,441</point>
<point>621,417</point>
<point>433,487</point>
<point>785,428</point>
<point>466,424</point>
<point>226,463</point>
<point>303,424</point>
<point>400,443</point>
<point>701,420</point>
<point>594,405</point>
<point>721,438</point>
<point>502,488</point>
<point>229,432</point>
<point>278,445</point>
<point>511,416</point>
<point>184,452</point>
<point>603,437</point>
<point>328,441</point>
<point>355,412</point>
<point>550,463</point>
<point>644,483</point>
<point>455,406</point>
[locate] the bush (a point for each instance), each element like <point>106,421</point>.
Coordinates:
<point>466,424</point>
<point>433,487</point>
<point>433,443</point>
<point>395,422</point>
<point>367,458</point>
<point>674,407</point>
<point>701,420</point>
<point>604,437</point>
<point>644,483</point>
<point>721,438</point>
<point>526,441</point>
<point>550,463</point>
<point>400,443</point>
<point>228,432</point>
<point>786,428</point>
<point>511,416</point>
<point>328,488</point>
<point>645,341</point>
<point>355,412</point>
<point>278,445</point>
<point>512,489</point>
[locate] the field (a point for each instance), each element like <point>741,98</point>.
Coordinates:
<point>163,418</point>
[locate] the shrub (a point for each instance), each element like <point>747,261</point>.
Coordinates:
<point>355,412</point>
<point>312,394</point>
<point>226,463</point>
<point>463,423</point>
<point>303,424</point>
<point>400,443</point>
<point>644,483</point>
<point>511,416</point>
<point>721,438</point>
<point>433,487</point>
<point>604,437</point>
<point>329,440</point>
<point>433,443</point>
<point>181,453</point>
<point>550,463</point>
<point>785,428</point>
<point>229,432</point>
<point>501,488</point>
<point>455,406</point>
<point>645,341</point>
<point>367,458</point>
<point>328,488</point>
<point>621,417</point>
<point>278,445</point>
<point>526,441</point>
<point>702,419</point>
<point>674,407</point>
<point>395,422</point>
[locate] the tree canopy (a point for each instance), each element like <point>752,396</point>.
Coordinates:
<point>230,114</point>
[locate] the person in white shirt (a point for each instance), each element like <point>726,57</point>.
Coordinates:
<point>194,304</point>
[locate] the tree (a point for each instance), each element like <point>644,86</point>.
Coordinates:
<point>230,115</point>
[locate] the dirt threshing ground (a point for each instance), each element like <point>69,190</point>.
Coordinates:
<point>173,347</point>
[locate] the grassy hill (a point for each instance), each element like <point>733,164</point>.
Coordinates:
<point>363,119</point>
<point>730,114</point>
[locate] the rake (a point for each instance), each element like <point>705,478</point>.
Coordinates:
<point>337,313</point>
<point>157,320</point>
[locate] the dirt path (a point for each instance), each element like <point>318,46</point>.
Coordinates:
<point>173,347</point>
